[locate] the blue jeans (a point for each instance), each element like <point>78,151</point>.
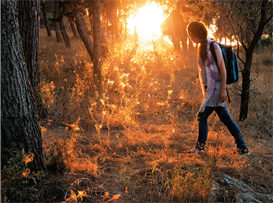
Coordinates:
<point>224,116</point>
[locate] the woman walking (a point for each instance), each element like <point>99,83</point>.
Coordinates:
<point>213,84</point>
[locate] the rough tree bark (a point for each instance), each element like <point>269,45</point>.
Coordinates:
<point>19,126</point>
<point>28,18</point>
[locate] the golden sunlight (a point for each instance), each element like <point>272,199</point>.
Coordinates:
<point>212,29</point>
<point>147,22</point>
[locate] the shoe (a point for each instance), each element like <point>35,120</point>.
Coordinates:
<point>195,150</point>
<point>243,151</point>
<point>199,148</point>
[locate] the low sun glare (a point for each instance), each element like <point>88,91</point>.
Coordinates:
<point>147,21</point>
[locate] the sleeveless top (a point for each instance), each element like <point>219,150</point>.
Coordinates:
<point>210,79</point>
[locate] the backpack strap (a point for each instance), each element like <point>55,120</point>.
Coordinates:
<point>228,96</point>
<point>212,50</point>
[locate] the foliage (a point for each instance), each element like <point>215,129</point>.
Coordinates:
<point>15,176</point>
<point>267,42</point>
<point>241,19</point>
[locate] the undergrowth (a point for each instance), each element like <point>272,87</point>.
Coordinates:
<point>130,143</point>
<point>16,176</point>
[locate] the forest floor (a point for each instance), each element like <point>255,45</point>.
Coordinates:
<point>130,144</point>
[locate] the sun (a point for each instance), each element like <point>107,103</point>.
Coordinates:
<point>147,22</point>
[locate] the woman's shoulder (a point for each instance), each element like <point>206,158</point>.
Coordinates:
<point>215,44</point>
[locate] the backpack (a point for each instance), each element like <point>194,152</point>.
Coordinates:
<point>231,62</point>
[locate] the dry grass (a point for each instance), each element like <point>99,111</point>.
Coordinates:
<point>134,141</point>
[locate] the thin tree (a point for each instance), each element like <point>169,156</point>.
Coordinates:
<point>84,36</point>
<point>91,16</point>
<point>243,21</point>
<point>246,21</point>
<point>112,13</point>
<point>175,26</point>
<point>61,24</point>
<point>56,22</point>
<point>44,12</point>
<point>19,127</point>
<point>73,28</point>
<point>104,47</point>
<point>257,33</point>
<point>97,45</point>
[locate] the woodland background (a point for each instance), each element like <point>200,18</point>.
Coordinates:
<point>90,112</point>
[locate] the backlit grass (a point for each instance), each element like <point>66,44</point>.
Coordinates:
<point>131,143</point>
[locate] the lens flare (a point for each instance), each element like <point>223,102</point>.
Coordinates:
<point>146,22</point>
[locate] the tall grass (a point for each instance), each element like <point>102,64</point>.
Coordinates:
<point>134,140</point>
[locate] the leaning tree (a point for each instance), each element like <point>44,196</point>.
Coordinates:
<point>76,10</point>
<point>19,127</point>
<point>44,13</point>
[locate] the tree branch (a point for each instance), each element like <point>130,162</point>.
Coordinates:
<point>269,19</point>
<point>240,34</point>
<point>261,25</point>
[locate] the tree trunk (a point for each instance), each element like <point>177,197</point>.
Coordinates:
<point>91,14</point>
<point>62,26</point>
<point>85,25</point>
<point>104,47</point>
<point>247,67</point>
<point>28,18</point>
<point>135,34</point>
<point>84,36</point>
<point>43,9</point>
<point>182,30</point>
<point>125,22</point>
<point>184,37</point>
<point>75,33</point>
<point>176,44</point>
<point>19,126</point>
<point>56,23</point>
<point>245,87</point>
<point>107,26</point>
<point>64,33</point>
<point>97,44</point>
<point>115,22</point>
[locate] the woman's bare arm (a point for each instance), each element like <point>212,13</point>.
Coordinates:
<point>222,69</point>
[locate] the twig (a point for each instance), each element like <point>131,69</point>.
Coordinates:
<point>79,180</point>
<point>65,196</point>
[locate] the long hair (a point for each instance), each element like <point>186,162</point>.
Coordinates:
<point>199,30</point>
